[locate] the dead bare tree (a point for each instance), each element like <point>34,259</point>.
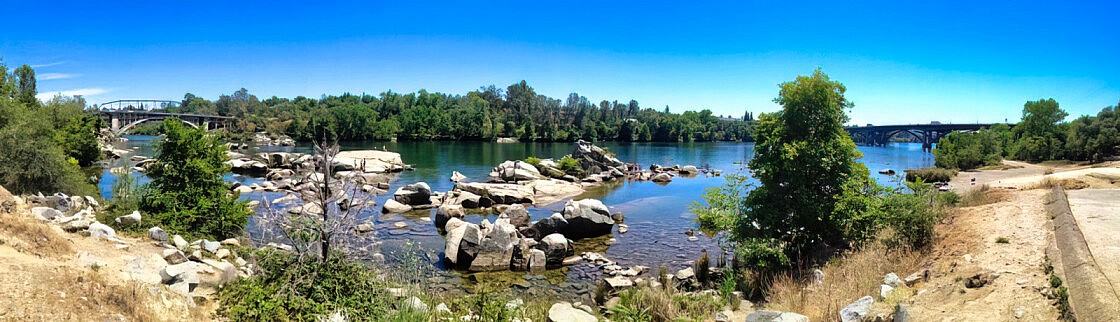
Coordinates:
<point>328,219</point>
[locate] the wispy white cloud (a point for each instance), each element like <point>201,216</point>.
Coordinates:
<point>50,76</point>
<point>81,91</point>
<point>48,64</point>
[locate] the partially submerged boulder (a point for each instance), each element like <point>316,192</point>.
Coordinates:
<point>587,218</point>
<point>414,194</point>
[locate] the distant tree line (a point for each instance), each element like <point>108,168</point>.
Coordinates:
<point>484,114</point>
<point>1041,135</point>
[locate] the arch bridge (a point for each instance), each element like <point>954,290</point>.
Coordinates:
<point>927,134</point>
<point>123,115</point>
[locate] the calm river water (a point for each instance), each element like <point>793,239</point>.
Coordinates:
<point>658,215</point>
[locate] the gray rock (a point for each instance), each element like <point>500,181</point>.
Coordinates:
<point>587,218</point>
<point>417,305</point>
<point>363,228</point>
<point>130,219</point>
<point>856,311</point>
<point>885,290</point>
<point>414,194</point>
<point>46,213</point>
<point>538,261</point>
<point>157,234</point>
<point>442,309</point>
<point>565,312</point>
<point>174,256</point>
<point>221,253</point>
<point>446,212</point>
<point>99,230</point>
<point>76,225</point>
<point>818,277</point>
<point>556,248</point>
<point>547,226</point>
<point>902,313</point>
<point>495,250</point>
<point>685,274</point>
<point>892,280</point>
<point>179,242</point>
<point>185,271</point>
<point>233,242</point>
<point>618,282</point>
<point>775,316</point>
<point>394,207</point>
<point>689,169</point>
<point>457,177</point>
<point>518,215</point>
<point>210,246</point>
<point>462,243</point>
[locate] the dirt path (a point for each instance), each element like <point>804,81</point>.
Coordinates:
<point>968,247</point>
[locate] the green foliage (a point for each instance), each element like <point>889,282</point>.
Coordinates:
<point>1003,240</point>
<point>32,160</point>
<point>485,114</point>
<point>287,287</point>
<point>724,204</point>
<point>187,193</point>
<point>813,192</point>
<point>1094,138</point>
<point>534,161</point>
<point>126,199</point>
<point>570,166</point>
<point>968,150</point>
<point>930,174</point>
<point>911,217</point>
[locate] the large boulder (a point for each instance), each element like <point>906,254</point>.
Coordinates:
<point>517,214</point>
<point>446,212</point>
<point>591,156</point>
<point>495,250</point>
<point>856,311</point>
<point>775,316</point>
<point>393,207</point>
<point>565,312</point>
<point>689,169</point>
<point>587,218</point>
<point>556,247</point>
<point>661,178</point>
<point>514,171</point>
<point>457,177</point>
<point>99,230</point>
<point>129,219</point>
<point>414,194</point>
<point>46,213</point>
<point>544,227</point>
<point>499,193</point>
<point>462,244</point>
<point>469,200</point>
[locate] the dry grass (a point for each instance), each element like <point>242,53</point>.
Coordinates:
<point>1000,167</point>
<point>645,303</point>
<point>982,195</point>
<point>28,235</point>
<point>854,275</point>
<point>1068,184</point>
<point>128,300</point>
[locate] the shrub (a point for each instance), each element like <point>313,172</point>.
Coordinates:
<point>535,161</point>
<point>187,193</point>
<point>570,166</point>
<point>1002,240</point>
<point>930,174</point>
<point>32,161</point>
<point>912,216</point>
<point>288,287</point>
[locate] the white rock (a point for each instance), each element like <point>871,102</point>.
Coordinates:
<point>221,253</point>
<point>856,311</point>
<point>892,280</point>
<point>775,316</point>
<point>885,290</point>
<point>157,234</point>
<point>210,246</point>
<point>46,213</point>
<point>179,242</point>
<point>565,312</point>
<point>231,242</point>
<point>99,230</point>
<point>418,305</point>
<point>130,219</point>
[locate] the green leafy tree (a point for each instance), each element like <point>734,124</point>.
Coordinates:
<point>813,193</point>
<point>187,193</point>
<point>1040,136</point>
<point>25,86</point>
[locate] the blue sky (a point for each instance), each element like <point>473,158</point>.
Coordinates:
<point>902,61</point>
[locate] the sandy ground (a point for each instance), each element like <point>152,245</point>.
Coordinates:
<point>967,247</point>
<point>1097,212</point>
<point>57,276</point>
<point>1025,175</point>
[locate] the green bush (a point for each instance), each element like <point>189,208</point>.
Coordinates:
<point>288,287</point>
<point>535,161</point>
<point>931,174</point>
<point>187,194</point>
<point>570,166</point>
<point>912,216</point>
<point>32,161</point>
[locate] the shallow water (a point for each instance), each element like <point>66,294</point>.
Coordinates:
<point>658,215</point>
